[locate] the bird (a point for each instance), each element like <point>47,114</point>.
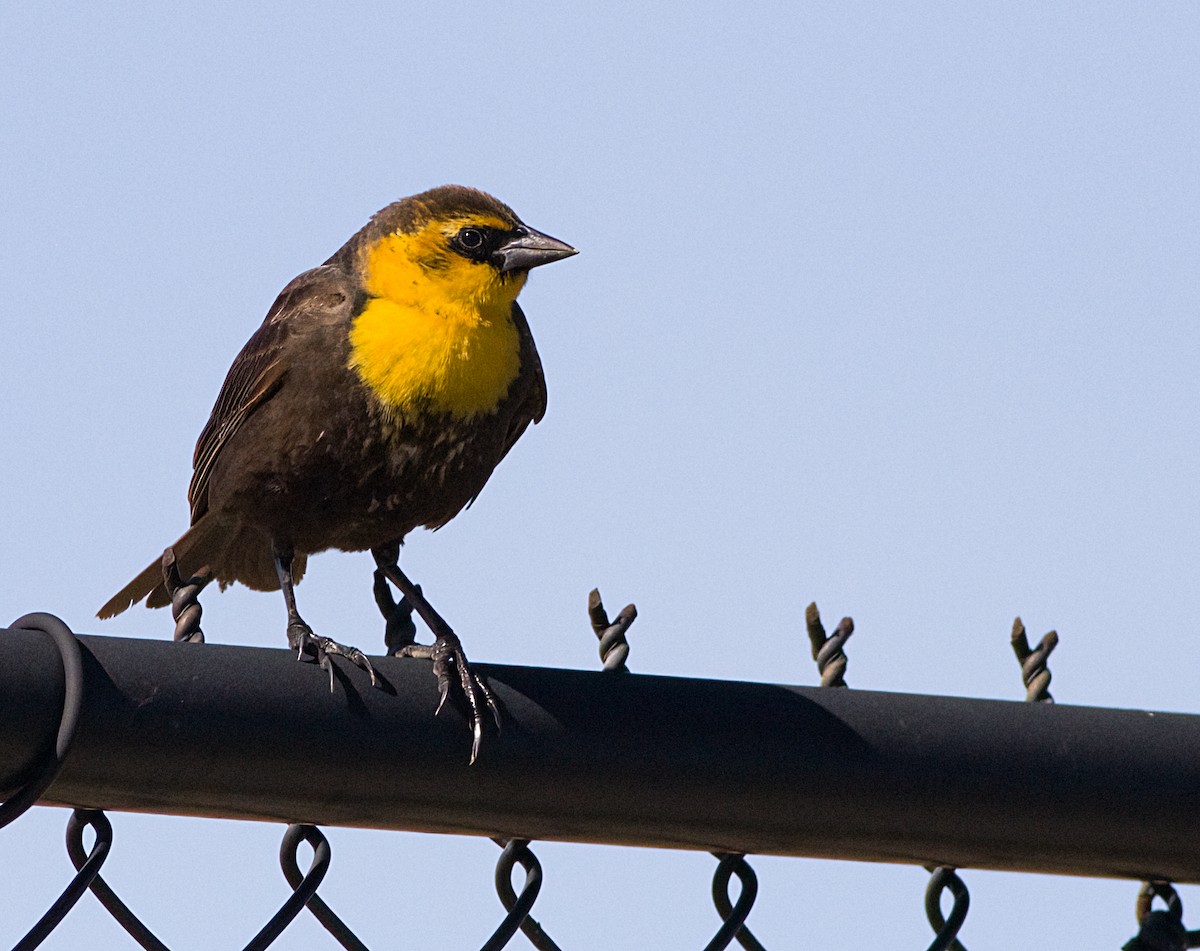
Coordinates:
<point>378,396</point>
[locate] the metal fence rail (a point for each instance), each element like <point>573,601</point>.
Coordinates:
<point>248,733</point>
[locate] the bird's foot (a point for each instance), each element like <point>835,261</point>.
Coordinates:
<point>304,642</point>
<point>445,652</point>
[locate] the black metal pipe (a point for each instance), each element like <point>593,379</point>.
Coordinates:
<point>618,758</point>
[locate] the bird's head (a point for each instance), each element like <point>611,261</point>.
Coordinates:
<point>453,243</point>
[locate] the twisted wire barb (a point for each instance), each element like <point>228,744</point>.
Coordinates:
<point>828,650</point>
<point>1034,671</point>
<point>295,834</point>
<point>185,598</point>
<point>614,648</point>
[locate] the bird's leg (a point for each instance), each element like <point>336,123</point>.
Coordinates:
<point>301,637</point>
<point>399,631</point>
<point>445,651</point>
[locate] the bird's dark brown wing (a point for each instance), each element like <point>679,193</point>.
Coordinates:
<point>533,407</point>
<point>322,295</point>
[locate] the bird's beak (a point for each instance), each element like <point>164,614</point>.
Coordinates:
<point>528,248</point>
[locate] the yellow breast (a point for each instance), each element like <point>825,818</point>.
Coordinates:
<point>436,334</point>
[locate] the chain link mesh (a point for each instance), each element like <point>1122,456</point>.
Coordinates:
<point>1159,929</point>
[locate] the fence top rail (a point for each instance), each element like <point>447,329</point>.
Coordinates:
<point>616,758</point>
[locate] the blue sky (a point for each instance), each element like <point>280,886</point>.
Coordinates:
<point>889,307</point>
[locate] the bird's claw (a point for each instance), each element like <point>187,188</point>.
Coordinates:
<point>444,652</point>
<point>305,642</point>
<point>327,646</point>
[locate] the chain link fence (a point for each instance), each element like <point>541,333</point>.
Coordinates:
<point>88,675</point>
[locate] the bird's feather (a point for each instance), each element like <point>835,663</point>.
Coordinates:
<point>316,296</point>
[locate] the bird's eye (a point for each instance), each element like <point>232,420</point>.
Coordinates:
<point>470,239</point>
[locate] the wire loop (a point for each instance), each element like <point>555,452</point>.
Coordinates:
<point>80,820</point>
<point>44,772</point>
<point>734,914</point>
<point>292,838</point>
<point>516,851</point>
<point>302,891</point>
<point>86,872</point>
<point>1160,930</point>
<point>943,879</point>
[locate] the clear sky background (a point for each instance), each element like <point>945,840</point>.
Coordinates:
<point>890,307</point>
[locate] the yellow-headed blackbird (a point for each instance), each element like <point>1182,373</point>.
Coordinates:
<point>378,395</point>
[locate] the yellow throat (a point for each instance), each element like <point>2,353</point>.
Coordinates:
<point>436,334</point>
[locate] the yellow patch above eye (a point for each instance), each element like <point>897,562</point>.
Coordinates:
<point>436,333</point>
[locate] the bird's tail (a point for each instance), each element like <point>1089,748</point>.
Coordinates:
<point>202,544</point>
